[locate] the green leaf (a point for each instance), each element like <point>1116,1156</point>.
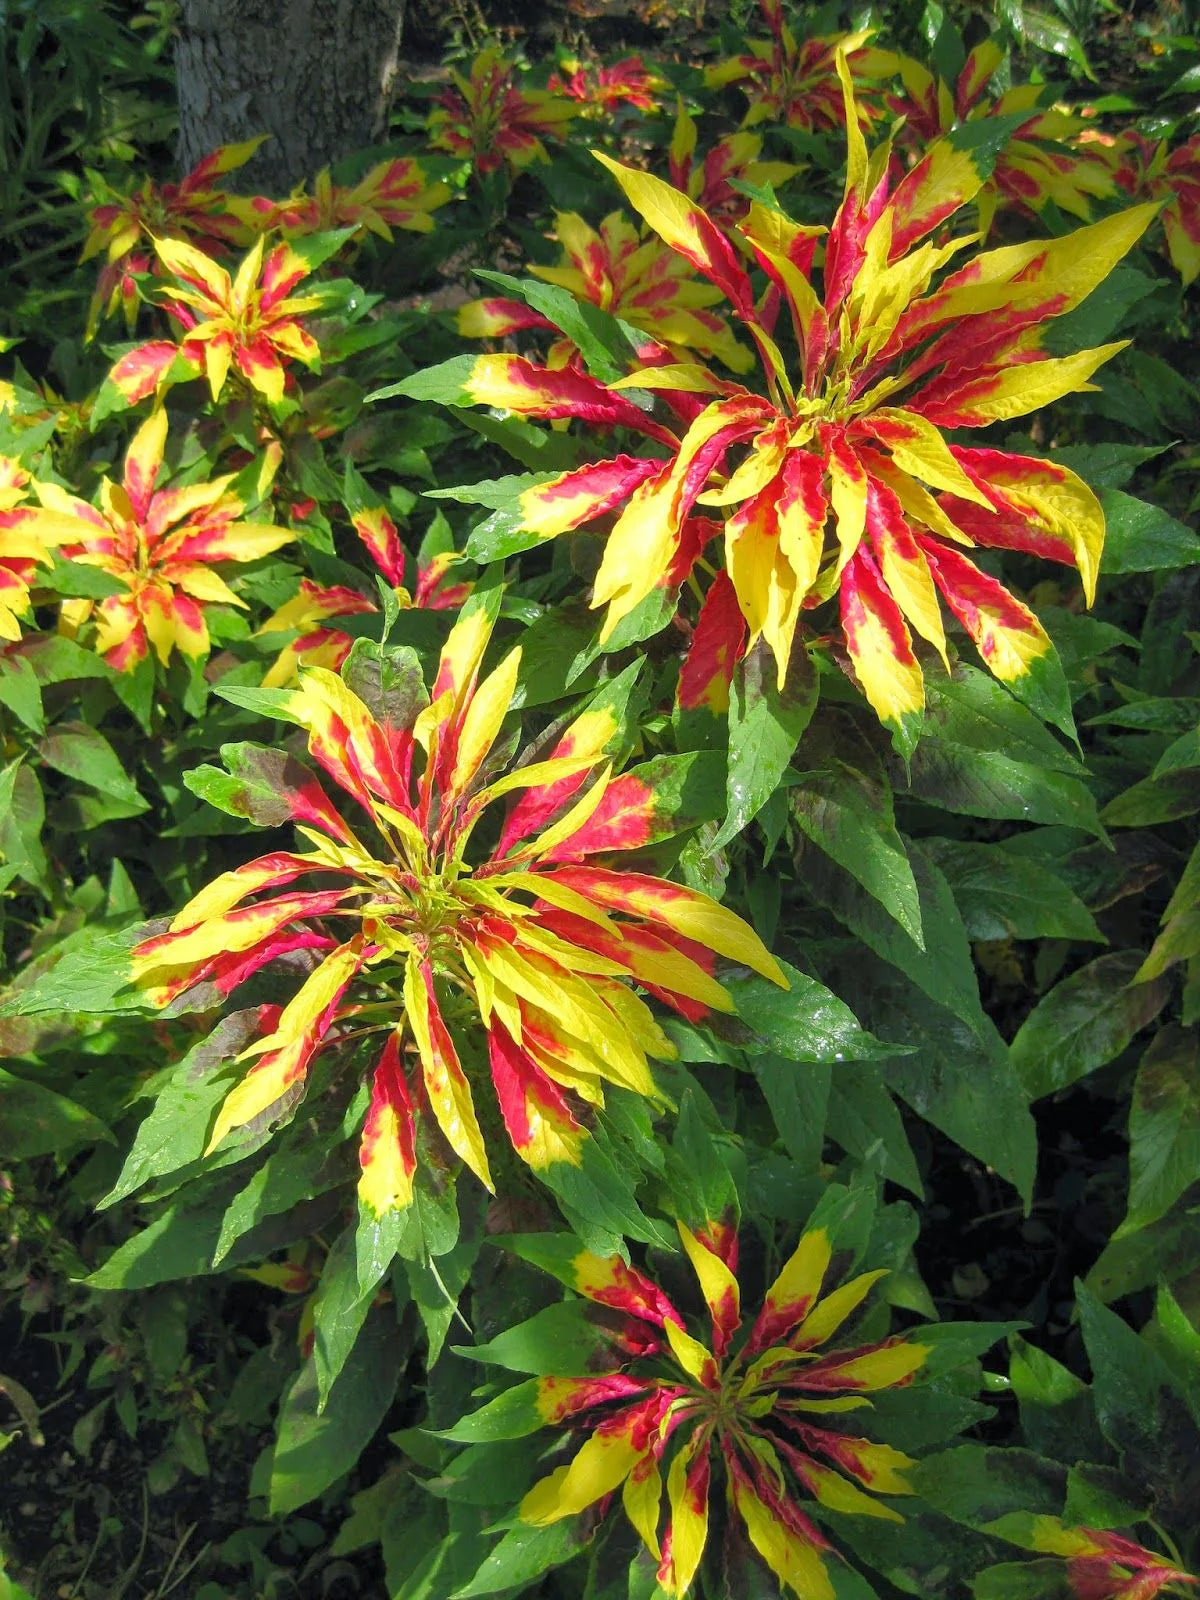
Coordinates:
<point>798,1098</point>
<point>975,1484</point>
<point>1141,537</point>
<point>1180,754</point>
<point>803,1023</point>
<point>1004,896</point>
<point>1106,466</point>
<point>1143,1412</point>
<point>21,692</point>
<point>178,1243</point>
<point>80,752</point>
<point>988,783</point>
<point>22,815</point>
<point>1156,799</point>
<point>316,1447</point>
<point>559,1341</point>
<point>1085,1021</point>
<point>1165,1251</point>
<point>57,659</point>
<point>1055,1406</point>
<point>436,1287</point>
<point>340,1308</point>
<point>700,1168</point>
<point>1045,690</point>
<point>85,972</point>
<point>445,384</point>
<point>1175,1336</point>
<point>264,702</point>
<point>522,1555</point>
<point>943,968</point>
<point>765,726</point>
<point>1021,1580</point>
<point>513,1414</point>
<point>283,1181</point>
<point>961,1080</point>
<point>597,1199</point>
<point>258,784</point>
<point>79,579</point>
<point>1055,34</point>
<point>848,815</point>
<point>1177,939</point>
<point>539,449</point>
<point>1099,1497</point>
<point>954,1344</point>
<point>985,137</point>
<point>176,1131</point>
<point>1164,1125</point>
<point>647,619</point>
<point>317,248</point>
<point>861,1116</point>
<point>37,1121</point>
<point>504,533</point>
<point>389,681</point>
<point>972,709</point>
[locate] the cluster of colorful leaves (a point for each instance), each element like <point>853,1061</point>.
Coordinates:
<point>640,280</point>
<point>1045,161</point>
<point>314,605</point>
<point>393,194</point>
<point>709,181</point>
<point>26,542</point>
<point>479,964</point>
<point>160,547</point>
<point>795,82</point>
<point>1148,169</point>
<point>486,119</point>
<point>1097,1564</point>
<point>196,211</point>
<point>540,939</point>
<point>759,1410</point>
<point>251,323</point>
<point>845,482</point>
<point>629,84</point>
<point>125,226</point>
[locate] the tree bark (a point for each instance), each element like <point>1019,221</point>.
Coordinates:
<point>317,75</point>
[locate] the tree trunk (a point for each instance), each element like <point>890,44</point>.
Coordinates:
<point>316,75</point>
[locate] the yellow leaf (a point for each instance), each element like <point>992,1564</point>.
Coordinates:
<point>487,710</point>
<point>689,1518</point>
<point>603,1461</point>
<point>445,1081</point>
<point>641,1496</point>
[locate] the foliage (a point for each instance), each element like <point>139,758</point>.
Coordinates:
<point>597,852</point>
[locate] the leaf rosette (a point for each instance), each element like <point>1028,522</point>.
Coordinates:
<point>537,938</point>
<point>762,1412</point>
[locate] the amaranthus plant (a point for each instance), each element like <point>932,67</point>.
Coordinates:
<point>488,120</point>
<point>845,483</point>
<point>27,540</point>
<point>795,81</point>
<point>160,544</point>
<point>1094,1563</point>
<point>1045,161</point>
<point>601,90</point>
<point>250,323</point>
<point>752,1431</point>
<point>392,194</point>
<point>1150,169</point>
<point>125,226</point>
<point>639,280</point>
<point>533,940</point>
